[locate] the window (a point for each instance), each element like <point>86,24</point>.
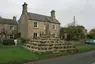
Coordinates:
<point>54,27</point>
<point>11,27</point>
<point>36,24</point>
<point>11,36</point>
<point>35,35</point>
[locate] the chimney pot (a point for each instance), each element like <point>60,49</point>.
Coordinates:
<point>53,13</point>
<point>24,8</point>
<point>14,18</point>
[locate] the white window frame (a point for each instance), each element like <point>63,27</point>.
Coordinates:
<point>34,33</point>
<point>34,24</point>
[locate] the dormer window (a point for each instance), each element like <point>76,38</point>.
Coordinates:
<point>35,24</point>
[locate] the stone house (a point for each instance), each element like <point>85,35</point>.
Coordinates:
<point>32,25</point>
<point>8,28</point>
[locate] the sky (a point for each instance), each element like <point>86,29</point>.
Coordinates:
<point>83,10</point>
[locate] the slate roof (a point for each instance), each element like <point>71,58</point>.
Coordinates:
<point>7,21</point>
<point>34,16</point>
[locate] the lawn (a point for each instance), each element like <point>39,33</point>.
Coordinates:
<point>18,55</point>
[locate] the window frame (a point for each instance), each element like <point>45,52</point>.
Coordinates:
<point>34,35</point>
<point>11,36</point>
<point>54,27</point>
<point>11,27</point>
<point>36,24</point>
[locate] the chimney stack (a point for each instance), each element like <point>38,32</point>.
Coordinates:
<point>14,18</point>
<point>24,7</point>
<point>53,14</point>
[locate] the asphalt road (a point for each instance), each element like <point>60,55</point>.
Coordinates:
<point>80,58</point>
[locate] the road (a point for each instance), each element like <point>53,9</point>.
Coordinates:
<point>80,58</point>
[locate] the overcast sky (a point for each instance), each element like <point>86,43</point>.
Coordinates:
<point>84,10</point>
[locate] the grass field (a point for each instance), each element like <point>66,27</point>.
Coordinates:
<point>18,55</point>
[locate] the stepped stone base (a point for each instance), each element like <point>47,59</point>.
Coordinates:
<point>47,43</point>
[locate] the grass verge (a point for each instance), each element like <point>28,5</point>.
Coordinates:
<point>83,48</point>
<point>18,55</point>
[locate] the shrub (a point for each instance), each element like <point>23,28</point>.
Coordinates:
<point>0,41</point>
<point>23,41</point>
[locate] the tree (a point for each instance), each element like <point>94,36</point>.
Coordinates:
<point>3,32</point>
<point>74,32</point>
<point>91,34</point>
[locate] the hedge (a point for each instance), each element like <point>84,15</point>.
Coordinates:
<point>8,42</point>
